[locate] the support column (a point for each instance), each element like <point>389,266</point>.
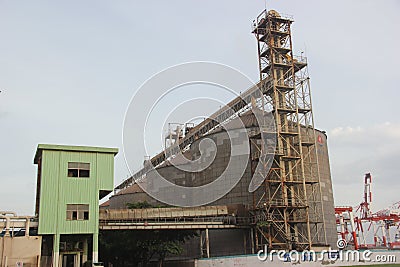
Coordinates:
<point>342,230</point>
<point>207,244</point>
<point>353,230</point>
<point>383,235</point>
<point>7,233</point>
<point>252,240</point>
<point>27,225</point>
<point>95,257</point>
<point>77,260</point>
<point>244,242</point>
<point>2,251</point>
<point>201,243</point>
<point>56,250</point>
<point>85,251</point>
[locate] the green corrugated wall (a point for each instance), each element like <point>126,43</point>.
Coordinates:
<point>57,190</point>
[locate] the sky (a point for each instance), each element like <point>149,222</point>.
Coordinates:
<point>68,70</point>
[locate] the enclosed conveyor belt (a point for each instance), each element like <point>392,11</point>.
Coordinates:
<point>231,109</point>
<point>220,217</point>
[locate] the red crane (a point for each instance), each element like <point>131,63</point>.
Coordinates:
<point>353,229</point>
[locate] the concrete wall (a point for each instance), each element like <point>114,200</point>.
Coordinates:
<point>25,249</point>
<point>326,189</point>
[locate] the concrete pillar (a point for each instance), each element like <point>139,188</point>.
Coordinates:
<point>1,251</point>
<point>252,241</point>
<point>85,251</point>
<point>77,259</point>
<point>201,243</point>
<point>56,250</point>
<point>27,222</point>
<point>7,233</point>
<point>95,257</point>
<point>207,243</point>
<point>244,242</point>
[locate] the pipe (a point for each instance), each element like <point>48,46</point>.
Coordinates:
<point>7,233</point>
<point>8,223</point>
<point>8,212</point>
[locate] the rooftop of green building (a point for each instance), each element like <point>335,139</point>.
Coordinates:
<point>42,147</point>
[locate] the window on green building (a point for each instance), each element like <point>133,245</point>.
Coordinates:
<point>77,212</point>
<point>78,169</point>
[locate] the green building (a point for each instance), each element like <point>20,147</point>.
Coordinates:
<point>70,182</point>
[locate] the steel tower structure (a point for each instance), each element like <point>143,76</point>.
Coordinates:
<point>289,211</point>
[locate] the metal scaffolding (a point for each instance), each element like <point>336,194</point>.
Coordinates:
<point>289,211</point>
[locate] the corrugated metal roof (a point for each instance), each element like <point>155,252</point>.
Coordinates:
<point>135,188</point>
<point>105,204</point>
<point>42,147</point>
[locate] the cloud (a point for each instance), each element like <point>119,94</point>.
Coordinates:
<point>343,131</point>
<point>3,114</point>
<point>355,150</point>
<point>388,128</point>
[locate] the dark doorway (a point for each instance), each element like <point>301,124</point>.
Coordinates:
<point>68,260</point>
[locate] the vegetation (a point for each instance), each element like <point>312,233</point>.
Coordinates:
<point>139,205</point>
<point>137,248</point>
<point>143,205</point>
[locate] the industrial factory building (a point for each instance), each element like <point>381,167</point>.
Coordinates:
<point>293,207</point>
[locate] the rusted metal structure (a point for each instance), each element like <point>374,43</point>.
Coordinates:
<point>366,224</point>
<point>290,211</point>
<point>346,225</point>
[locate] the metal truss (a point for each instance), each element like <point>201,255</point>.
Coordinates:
<point>289,207</point>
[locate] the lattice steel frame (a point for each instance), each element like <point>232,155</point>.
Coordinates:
<point>289,211</point>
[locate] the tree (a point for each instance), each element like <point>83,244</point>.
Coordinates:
<point>139,205</point>
<point>138,247</point>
